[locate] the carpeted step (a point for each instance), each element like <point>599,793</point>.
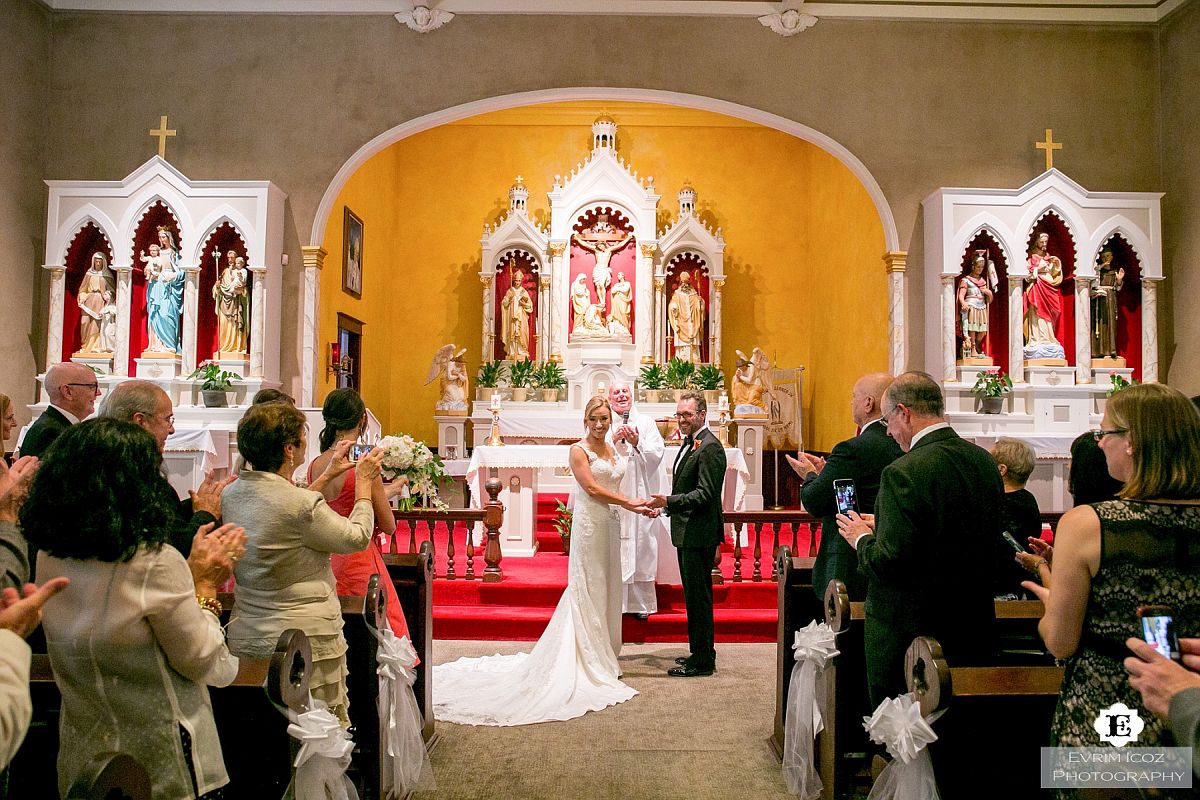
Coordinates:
<point>669,625</point>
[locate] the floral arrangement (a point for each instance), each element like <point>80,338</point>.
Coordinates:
<point>405,457</point>
<point>1119,382</point>
<point>992,384</point>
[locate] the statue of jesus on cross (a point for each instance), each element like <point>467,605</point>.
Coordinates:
<point>602,239</point>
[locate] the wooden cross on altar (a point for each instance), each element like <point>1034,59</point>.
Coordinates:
<point>162,133</point>
<point>1049,146</point>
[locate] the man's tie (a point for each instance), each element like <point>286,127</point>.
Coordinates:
<point>684,449</point>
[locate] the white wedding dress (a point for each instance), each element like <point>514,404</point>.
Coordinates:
<point>573,667</point>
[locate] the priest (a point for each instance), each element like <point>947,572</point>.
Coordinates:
<point>636,437</point>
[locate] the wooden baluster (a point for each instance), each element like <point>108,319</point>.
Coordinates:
<point>717,577</point>
<point>493,516</point>
<point>412,536</point>
<point>757,528</point>
<point>450,551</point>
<point>737,552</point>
<point>796,536</point>
<point>775,550</point>
<point>814,533</point>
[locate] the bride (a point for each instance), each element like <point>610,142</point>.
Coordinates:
<point>573,667</point>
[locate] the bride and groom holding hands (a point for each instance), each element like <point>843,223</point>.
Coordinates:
<point>573,668</point>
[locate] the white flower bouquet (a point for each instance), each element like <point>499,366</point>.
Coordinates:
<point>405,457</point>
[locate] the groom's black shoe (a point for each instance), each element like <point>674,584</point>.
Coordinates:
<point>683,660</point>
<point>689,671</point>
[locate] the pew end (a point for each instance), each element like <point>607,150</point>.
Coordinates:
<point>287,672</point>
<point>412,575</point>
<point>112,776</point>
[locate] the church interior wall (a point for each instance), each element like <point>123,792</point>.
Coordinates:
<point>290,98</point>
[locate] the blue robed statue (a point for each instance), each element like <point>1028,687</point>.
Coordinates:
<point>164,294</point>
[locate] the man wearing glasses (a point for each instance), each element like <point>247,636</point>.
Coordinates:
<point>72,389</point>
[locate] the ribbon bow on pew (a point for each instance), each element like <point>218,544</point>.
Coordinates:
<point>398,708</point>
<point>324,755</point>
<point>815,647</point>
<point>897,724</point>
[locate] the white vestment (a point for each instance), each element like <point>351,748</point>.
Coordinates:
<point>639,534</point>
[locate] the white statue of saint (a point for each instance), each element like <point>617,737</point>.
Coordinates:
<point>232,305</point>
<point>686,315</point>
<point>622,305</point>
<point>515,310</point>
<point>95,291</point>
<point>603,250</point>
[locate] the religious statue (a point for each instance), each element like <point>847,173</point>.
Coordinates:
<point>975,293</point>
<point>95,292</point>
<point>233,304</point>
<point>515,309</point>
<point>622,305</point>
<point>108,326</point>
<point>751,381</point>
<point>1043,303</point>
<point>686,315</point>
<point>601,244</point>
<point>164,294</point>
<point>1107,283</point>
<point>588,316</point>
<point>453,369</point>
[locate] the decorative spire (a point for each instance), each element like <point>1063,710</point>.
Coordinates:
<point>687,200</point>
<point>604,134</point>
<point>518,197</point>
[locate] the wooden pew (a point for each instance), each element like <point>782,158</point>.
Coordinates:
<point>797,607</point>
<point>254,742</point>
<point>362,685</point>
<point>412,575</point>
<point>994,722</point>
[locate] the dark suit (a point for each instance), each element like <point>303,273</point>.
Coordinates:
<point>861,460</point>
<point>930,564</point>
<point>186,522</point>
<point>41,434</point>
<point>696,531</point>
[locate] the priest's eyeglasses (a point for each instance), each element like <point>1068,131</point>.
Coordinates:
<point>1100,434</point>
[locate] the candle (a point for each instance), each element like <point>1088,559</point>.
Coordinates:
<point>495,401</point>
<point>723,405</point>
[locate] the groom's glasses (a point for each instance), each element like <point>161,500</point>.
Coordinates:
<point>685,415</point>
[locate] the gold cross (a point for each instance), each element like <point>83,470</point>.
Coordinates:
<point>162,133</point>
<point>1049,146</point>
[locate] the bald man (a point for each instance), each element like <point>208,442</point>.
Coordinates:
<point>861,460</point>
<point>72,389</point>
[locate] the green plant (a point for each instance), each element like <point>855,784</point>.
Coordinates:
<point>653,377</point>
<point>562,520</point>
<point>490,374</point>
<point>992,384</point>
<point>520,373</point>
<point>1118,383</point>
<point>680,373</point>
<point>709,376</point>
<point>550,376</point>
<point>215,379</point>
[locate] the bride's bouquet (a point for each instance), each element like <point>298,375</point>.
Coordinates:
<point>405,457</point>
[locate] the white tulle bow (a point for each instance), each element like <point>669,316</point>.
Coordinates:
<point>897,724</point>
<point>408,766</point>
<point>815,646</point>
<point>324,755</point>
<point>397,658</point>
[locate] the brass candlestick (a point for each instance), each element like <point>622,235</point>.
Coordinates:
<point>723,434</point>
<point>494,439</point>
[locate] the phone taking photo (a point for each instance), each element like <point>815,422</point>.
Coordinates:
<point>847,498</point>
<point>1158,630</point>
<point>358,450</point>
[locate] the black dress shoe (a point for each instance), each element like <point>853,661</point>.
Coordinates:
<point>682,660</point>
<point>686,671</point>
<point>642,616</point>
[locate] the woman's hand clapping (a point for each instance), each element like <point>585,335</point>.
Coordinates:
<point>214,554</point>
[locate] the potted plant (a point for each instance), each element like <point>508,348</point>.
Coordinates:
<point>217,383</point>
<point>679,375</point>
<point>550,379</point>
<point>487,380</point>
<point>653,378</point>
<point>1118,382</point>
<point>562,524</point>
<point>990,387</point>
<point>710,380</point>
<point>520,377</point>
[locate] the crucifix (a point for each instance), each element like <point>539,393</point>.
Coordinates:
<point>1049,146</point>
<point>602,240</point>
<point>162,133</point>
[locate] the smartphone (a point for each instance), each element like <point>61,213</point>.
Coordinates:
<point>847,499</point>
<point>358,450</point>
<point>1158,629</point>
<point>1013,543</point>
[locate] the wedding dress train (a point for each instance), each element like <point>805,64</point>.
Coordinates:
<point>573,667</point>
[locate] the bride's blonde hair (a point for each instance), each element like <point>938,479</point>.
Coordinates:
<point>593,404</point>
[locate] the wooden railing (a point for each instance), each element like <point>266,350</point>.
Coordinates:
<point>417,526</point>
<point>772,522</point>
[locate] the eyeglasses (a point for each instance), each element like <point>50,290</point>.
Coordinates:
<point>1100,434</point>
<point>685,415</point>
<point>95,387</point>
<point>887,416</point>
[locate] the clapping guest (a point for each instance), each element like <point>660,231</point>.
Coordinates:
<point>285,580</point>
<point>135,640</point>
<point>14,549</point>
<point>1112,557</point>
<point>345,417</point>
<point>8,422</point>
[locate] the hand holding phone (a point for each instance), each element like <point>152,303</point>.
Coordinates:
<point>846,496</point>
<point>1158,630</point>
<point>358,450</point>
<point>1013,543</point>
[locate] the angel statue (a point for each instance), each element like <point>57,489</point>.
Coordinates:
<point>751,382</point>
<point>453,369</point>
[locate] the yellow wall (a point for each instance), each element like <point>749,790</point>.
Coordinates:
<point>803,244</point>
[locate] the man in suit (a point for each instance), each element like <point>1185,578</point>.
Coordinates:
<point>928,561</point>
<point>861,460</point>
<point>694,507</point>
<point>72,389</point>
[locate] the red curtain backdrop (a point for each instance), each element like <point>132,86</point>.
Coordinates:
<point>995,343</point>
<point>223,239</point>
<point>1129,303</point>
<point>624,260</point>
<point>1060,244</point>
<point>145,235</point>
<point>88,240</point>
<point>512,261</point>
<point>697,270</point>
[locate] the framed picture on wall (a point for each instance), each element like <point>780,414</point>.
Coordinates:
<point>352,254</point>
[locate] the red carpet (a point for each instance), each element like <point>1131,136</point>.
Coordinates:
<point>519,607</point>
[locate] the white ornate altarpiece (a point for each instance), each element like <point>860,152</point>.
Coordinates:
<point>1073,277</point>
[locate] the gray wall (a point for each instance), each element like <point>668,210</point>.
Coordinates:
<point>24,93</point>
<point>289,99</point>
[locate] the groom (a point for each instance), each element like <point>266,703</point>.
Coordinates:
<point>694,507</point>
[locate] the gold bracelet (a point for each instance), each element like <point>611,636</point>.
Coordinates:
<point>210,604</point>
